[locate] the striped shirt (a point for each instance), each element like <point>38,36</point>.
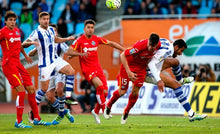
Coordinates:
<point>46,48</point>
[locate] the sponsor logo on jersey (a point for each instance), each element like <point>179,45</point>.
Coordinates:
<point>14,39</point>
<point>85,49</point>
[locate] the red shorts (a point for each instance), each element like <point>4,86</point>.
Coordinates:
<point>16,74</point>
<point>90,74</point>
<point>123,80</point>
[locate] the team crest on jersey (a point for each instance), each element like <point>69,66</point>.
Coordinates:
<point>93,42</point>
<point>133,50</point>
<point>16,33</point>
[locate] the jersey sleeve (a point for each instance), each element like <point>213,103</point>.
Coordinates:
<point>165,50</point>
<point>136,48</point>
<point>33,36</point>
<point>76,45</point>
<point>102,40</point>
<point>1,35</point>
<point>64,47</point>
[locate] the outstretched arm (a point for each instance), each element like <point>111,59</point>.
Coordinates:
<point>32,52</point>
<point>28,43</point>
<point>60,40</point>
<point>70,52</point>
<point>115,45</point>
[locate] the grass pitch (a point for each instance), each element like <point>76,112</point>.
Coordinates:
<point>85,124</point>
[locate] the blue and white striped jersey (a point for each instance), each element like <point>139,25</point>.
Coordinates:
<point>46,48</point>
<point>61,48</point>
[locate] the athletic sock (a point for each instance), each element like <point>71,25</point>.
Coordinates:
<point>56,104</point>
<point>61,105</point>
<point>69,85</point>
<point>39,96</point>
<point>20,106</point>
<point>113,99</point>
<point>33,104</point>
<point>100,96</point>
<point>177,72</point>
<point>131,101</point>
<point>183,100</point>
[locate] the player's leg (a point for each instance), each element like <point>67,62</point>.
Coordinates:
<point>69,88</point>
<point>131,101</point>
<point>170,82</point>
<point>176,68</point>
<point>123,82</point>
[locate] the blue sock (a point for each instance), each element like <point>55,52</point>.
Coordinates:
<point>56,104</point>
<point>182,99</point>
<point>39,96</point>
<point>61,105</point>
<point>177,72</point>
<point>69,85</point>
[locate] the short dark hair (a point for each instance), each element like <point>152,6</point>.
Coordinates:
<point>154,39</point>
<point>10,14</point>
<point>41,14</point>
<point>53,25</point>
<point>180,43</point>
<point>90,21</point>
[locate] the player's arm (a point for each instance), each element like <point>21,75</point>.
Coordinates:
<point>60,40</point>
<point>156,73</point>
<point>32,52</point>
<point>132,76</point>
<point>27,58</point>
<point>70,52</point>
<point>115,45</point>
<point>28,43</point>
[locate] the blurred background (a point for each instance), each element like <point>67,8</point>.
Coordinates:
<point>196,21</point>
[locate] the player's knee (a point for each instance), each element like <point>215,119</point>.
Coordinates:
<point>30,89</point>
<point>175,62</point>
<point>122,92</point>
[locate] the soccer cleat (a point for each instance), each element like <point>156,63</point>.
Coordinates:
<point>68,115</point>
<point>187,80</point>
<point>41,122</point>
<point>21,125</point>
<point>96,116</point>
<point>71,101</point>
<point>124,118</point>
<point>197,116</point>
<point>31,117</point>
<point>57,120</point>
<point>107,112</point>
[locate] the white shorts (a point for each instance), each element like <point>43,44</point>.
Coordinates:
<point>45,72</point>
<point>58,77</point>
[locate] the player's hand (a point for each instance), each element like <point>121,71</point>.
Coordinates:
<point>132,76</point>
<point>71,38</point>
<point>160,85</point>
<point>85,54</point>
<point>28,60</point>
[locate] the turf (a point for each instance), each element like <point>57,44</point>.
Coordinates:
<point>85,124</point>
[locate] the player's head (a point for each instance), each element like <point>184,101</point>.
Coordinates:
<point>153,41</point>
<point>179,46</point>
<point>54,28</point>
<point>10,19</point>
<point>89,27</point>
<point>44,19</point>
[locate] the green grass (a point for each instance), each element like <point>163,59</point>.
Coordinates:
<point>85,124</point>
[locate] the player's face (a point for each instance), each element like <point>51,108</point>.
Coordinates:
<point>10,22</point>
<point>178,51</point>
<point>151,47</point>
<point>44,21</point>
<point>89,30</point>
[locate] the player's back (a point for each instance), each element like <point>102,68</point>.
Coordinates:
<point>11,44</point>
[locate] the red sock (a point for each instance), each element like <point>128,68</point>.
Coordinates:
<point>33,104</point>
<point>131,101</point>
<point>97,108</point>
<point>20,106</point>
<point>113,99</point>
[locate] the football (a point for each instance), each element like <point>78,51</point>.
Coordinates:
<point>113,4</point>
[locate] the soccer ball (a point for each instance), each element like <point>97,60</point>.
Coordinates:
<point>113,4</point>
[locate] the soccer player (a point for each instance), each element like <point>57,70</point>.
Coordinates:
<point>165,58</point>
<point>57,81</point>
<point>134,61</point>
<point>15,72</point>
<point>44,39</point>
<point>91,69</point>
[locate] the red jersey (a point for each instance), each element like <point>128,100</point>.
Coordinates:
<point>138,55</point>
<point>11,44</point>
<point>84,45</point>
